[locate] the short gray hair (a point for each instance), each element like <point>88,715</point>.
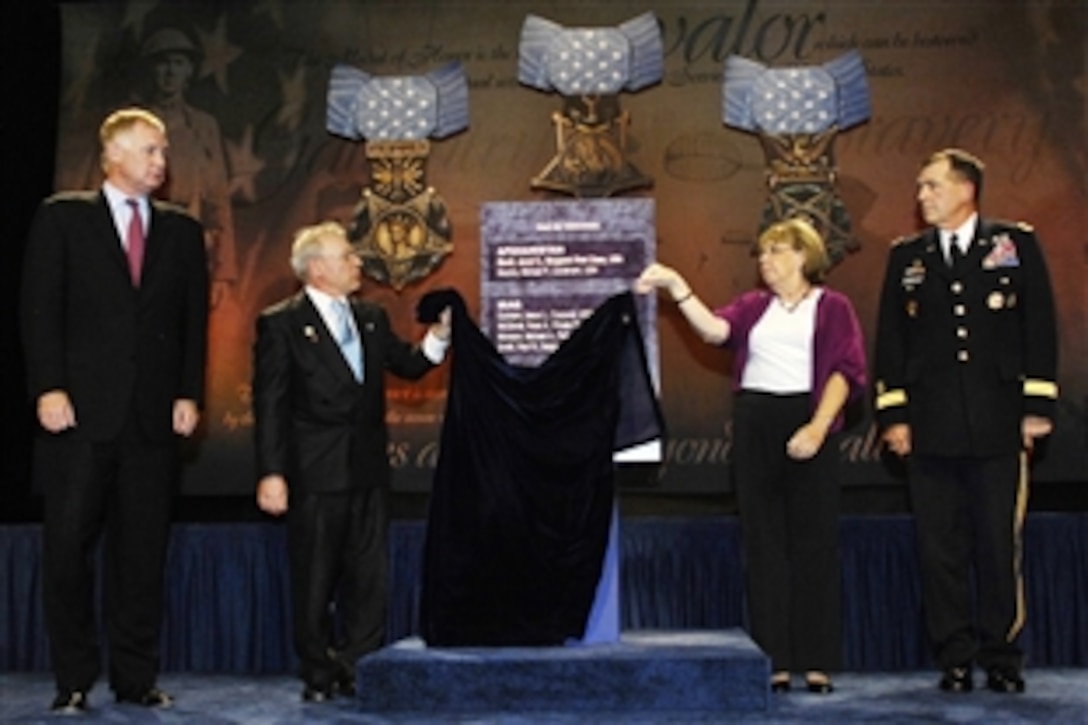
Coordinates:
<point>308,242</point>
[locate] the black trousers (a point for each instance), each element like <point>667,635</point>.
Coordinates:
<point>969,515</point>
<point>338,549</point>
<point>789,527</point>
<point>119,494</point>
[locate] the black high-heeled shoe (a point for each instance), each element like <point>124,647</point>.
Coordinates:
<point>819,685</point>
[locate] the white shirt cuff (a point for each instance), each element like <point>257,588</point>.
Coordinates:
<point>434,349</point>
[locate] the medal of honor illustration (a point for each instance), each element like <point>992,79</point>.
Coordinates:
<point>797,113</point>
<point>400,228</point>
<point>588,67</point>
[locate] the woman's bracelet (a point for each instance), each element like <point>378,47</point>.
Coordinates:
<point>685,298</point>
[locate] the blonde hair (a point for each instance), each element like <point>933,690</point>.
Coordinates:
<point>803,237</point>
<point>122,120</point>
<point>308,243</point>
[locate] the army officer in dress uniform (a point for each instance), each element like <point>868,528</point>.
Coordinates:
<point>966,355</point>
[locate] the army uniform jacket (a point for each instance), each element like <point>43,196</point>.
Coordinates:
<point>962,355</point>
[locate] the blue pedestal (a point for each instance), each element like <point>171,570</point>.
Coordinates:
<point>646,671</point>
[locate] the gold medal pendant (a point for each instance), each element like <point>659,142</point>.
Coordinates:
<point>590,159</point>
<point>401,227</point>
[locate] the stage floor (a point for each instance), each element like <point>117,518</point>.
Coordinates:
<point>1053,696</point>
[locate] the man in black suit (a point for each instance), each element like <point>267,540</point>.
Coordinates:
<point>319,406</point>
<point>966,359</point>
<point>114,315</point>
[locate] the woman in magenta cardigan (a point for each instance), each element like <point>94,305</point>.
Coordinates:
<point>798,358</point>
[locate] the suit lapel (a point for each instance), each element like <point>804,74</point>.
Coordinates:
<point>311,327</point>
<point>934,255</point>
<point>364,323</point>
<point>980,247</point>
<point>105,232</point>
<point>972,263</point>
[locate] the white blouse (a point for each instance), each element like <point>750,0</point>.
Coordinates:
<point>780,348</point>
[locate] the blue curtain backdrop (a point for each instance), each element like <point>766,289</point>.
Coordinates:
<point>228,607</point>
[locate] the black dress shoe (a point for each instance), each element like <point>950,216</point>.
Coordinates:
<point>317,693</point>
<point>72,702</point>
<point>152,697</point>
<point>1004,679</point>
<point>957,679</point>
<point>345,685</point>
<point>780,686</point>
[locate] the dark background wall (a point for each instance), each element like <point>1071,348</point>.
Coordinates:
<point>33,89</point>
<point>31,62</point>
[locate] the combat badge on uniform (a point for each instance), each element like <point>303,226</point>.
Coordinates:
<point>914,275</point>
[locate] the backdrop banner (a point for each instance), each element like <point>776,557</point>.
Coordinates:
<point>243,87</point>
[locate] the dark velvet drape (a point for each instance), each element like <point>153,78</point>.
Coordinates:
<point>523,489</point>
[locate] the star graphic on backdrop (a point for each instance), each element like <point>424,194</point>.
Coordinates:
<point>271,8</point>
<point>135,14</point>
<point>218,54</point>
<point>244,165</point>
<point>293,89</point>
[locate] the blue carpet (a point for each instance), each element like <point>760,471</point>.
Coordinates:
<point>700,671</point>
<point>1053,696</point>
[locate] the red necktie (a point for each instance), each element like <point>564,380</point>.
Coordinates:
<point>134,242</point>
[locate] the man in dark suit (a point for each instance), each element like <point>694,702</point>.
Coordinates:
<point>966,359</point>
<point>319,406</point>
<point>114,315</point>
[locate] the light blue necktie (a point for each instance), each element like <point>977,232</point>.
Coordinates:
<point>347,339</point>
